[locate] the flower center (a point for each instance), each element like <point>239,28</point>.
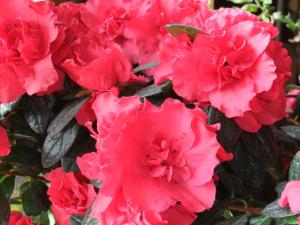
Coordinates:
<point>166,160</point>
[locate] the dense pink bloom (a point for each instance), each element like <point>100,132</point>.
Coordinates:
<point>119,212</point>
<point>291,102</point>
<point>16,218</point>
<point>237,67</point>
<point>173,161</point>
<point>4,143</point>
<point>290,196</point>
<point>27,32</point>
<point>89,60</point>
<point>69,193</point>
<point>138,25</point>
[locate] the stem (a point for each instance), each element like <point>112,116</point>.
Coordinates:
<point>251,211</point>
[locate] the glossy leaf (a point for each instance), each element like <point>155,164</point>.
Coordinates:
<point>294,172</point>
<point>38,112</point>
<point>57,145</point>
<point>65,116</point>
<point>273,210</point>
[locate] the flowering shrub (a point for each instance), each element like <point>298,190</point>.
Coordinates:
<point>144,113</point>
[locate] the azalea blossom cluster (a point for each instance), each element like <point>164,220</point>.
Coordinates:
<point>153,164</point>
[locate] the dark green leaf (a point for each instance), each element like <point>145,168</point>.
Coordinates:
<point>34,197</point>
<point>176,29</point>
<point>292,131</point>
<point>42,219</point>
<point>144,67</point>
<point>4,209</point>
<point>84,143</point>
<point>7,185</point>
<point>65,116</point>
<point>261,220</point>
<point>57,145</point>
<point>294,172</point>
<point>238,220</point>
<point>23,155</point>
<point>154,89</point>
<point>38,112</point>
<point>273,210</point>
<point>76,219</point>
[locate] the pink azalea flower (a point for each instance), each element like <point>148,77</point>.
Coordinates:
<point>27,33</point>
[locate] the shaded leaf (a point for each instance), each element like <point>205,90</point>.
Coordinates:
<point>76,219</point>
<point>4,209</point>
<point>145,67</point>
<point>34,197</point>
<point>176,29</point>
<point>84,143</point>
<point>7,185</point>
<point>38,112</point>
<point>294,172</point>
<point>292,131</point>
<point>57,145</point>
<point>65,116</point>
<point>273,210</point>
<point>6,108</point>
<point>154,89</point>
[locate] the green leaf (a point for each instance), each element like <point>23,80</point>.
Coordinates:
<point>293,220</point>
<point>58,144</point>
<point>238,220</point>
<point>4,209</point>
<point>144,67</point>
<point>37,112</point>
<point>65,116</point>
<point>240,1</point>
<point>273,210</point>
<point>294,172</point>
<point>42,219</point>
<point>292,131</point>
<point>154,89</point>
<point>176,29</point>
<point>250,8</point>
<point>7,185</point>
<point>34,197</point>
<point>76,219</point>
<point>261,220</point>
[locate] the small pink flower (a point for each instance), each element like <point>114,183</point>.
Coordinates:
<point>69,193</point>
<point>16,218</point>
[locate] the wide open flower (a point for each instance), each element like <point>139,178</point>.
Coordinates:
<point>69,193</point>
<point>119,212</point>
<point>233,67</point>
<point>158,156</point>
<point>4,143</point>
<point>27,32</point>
